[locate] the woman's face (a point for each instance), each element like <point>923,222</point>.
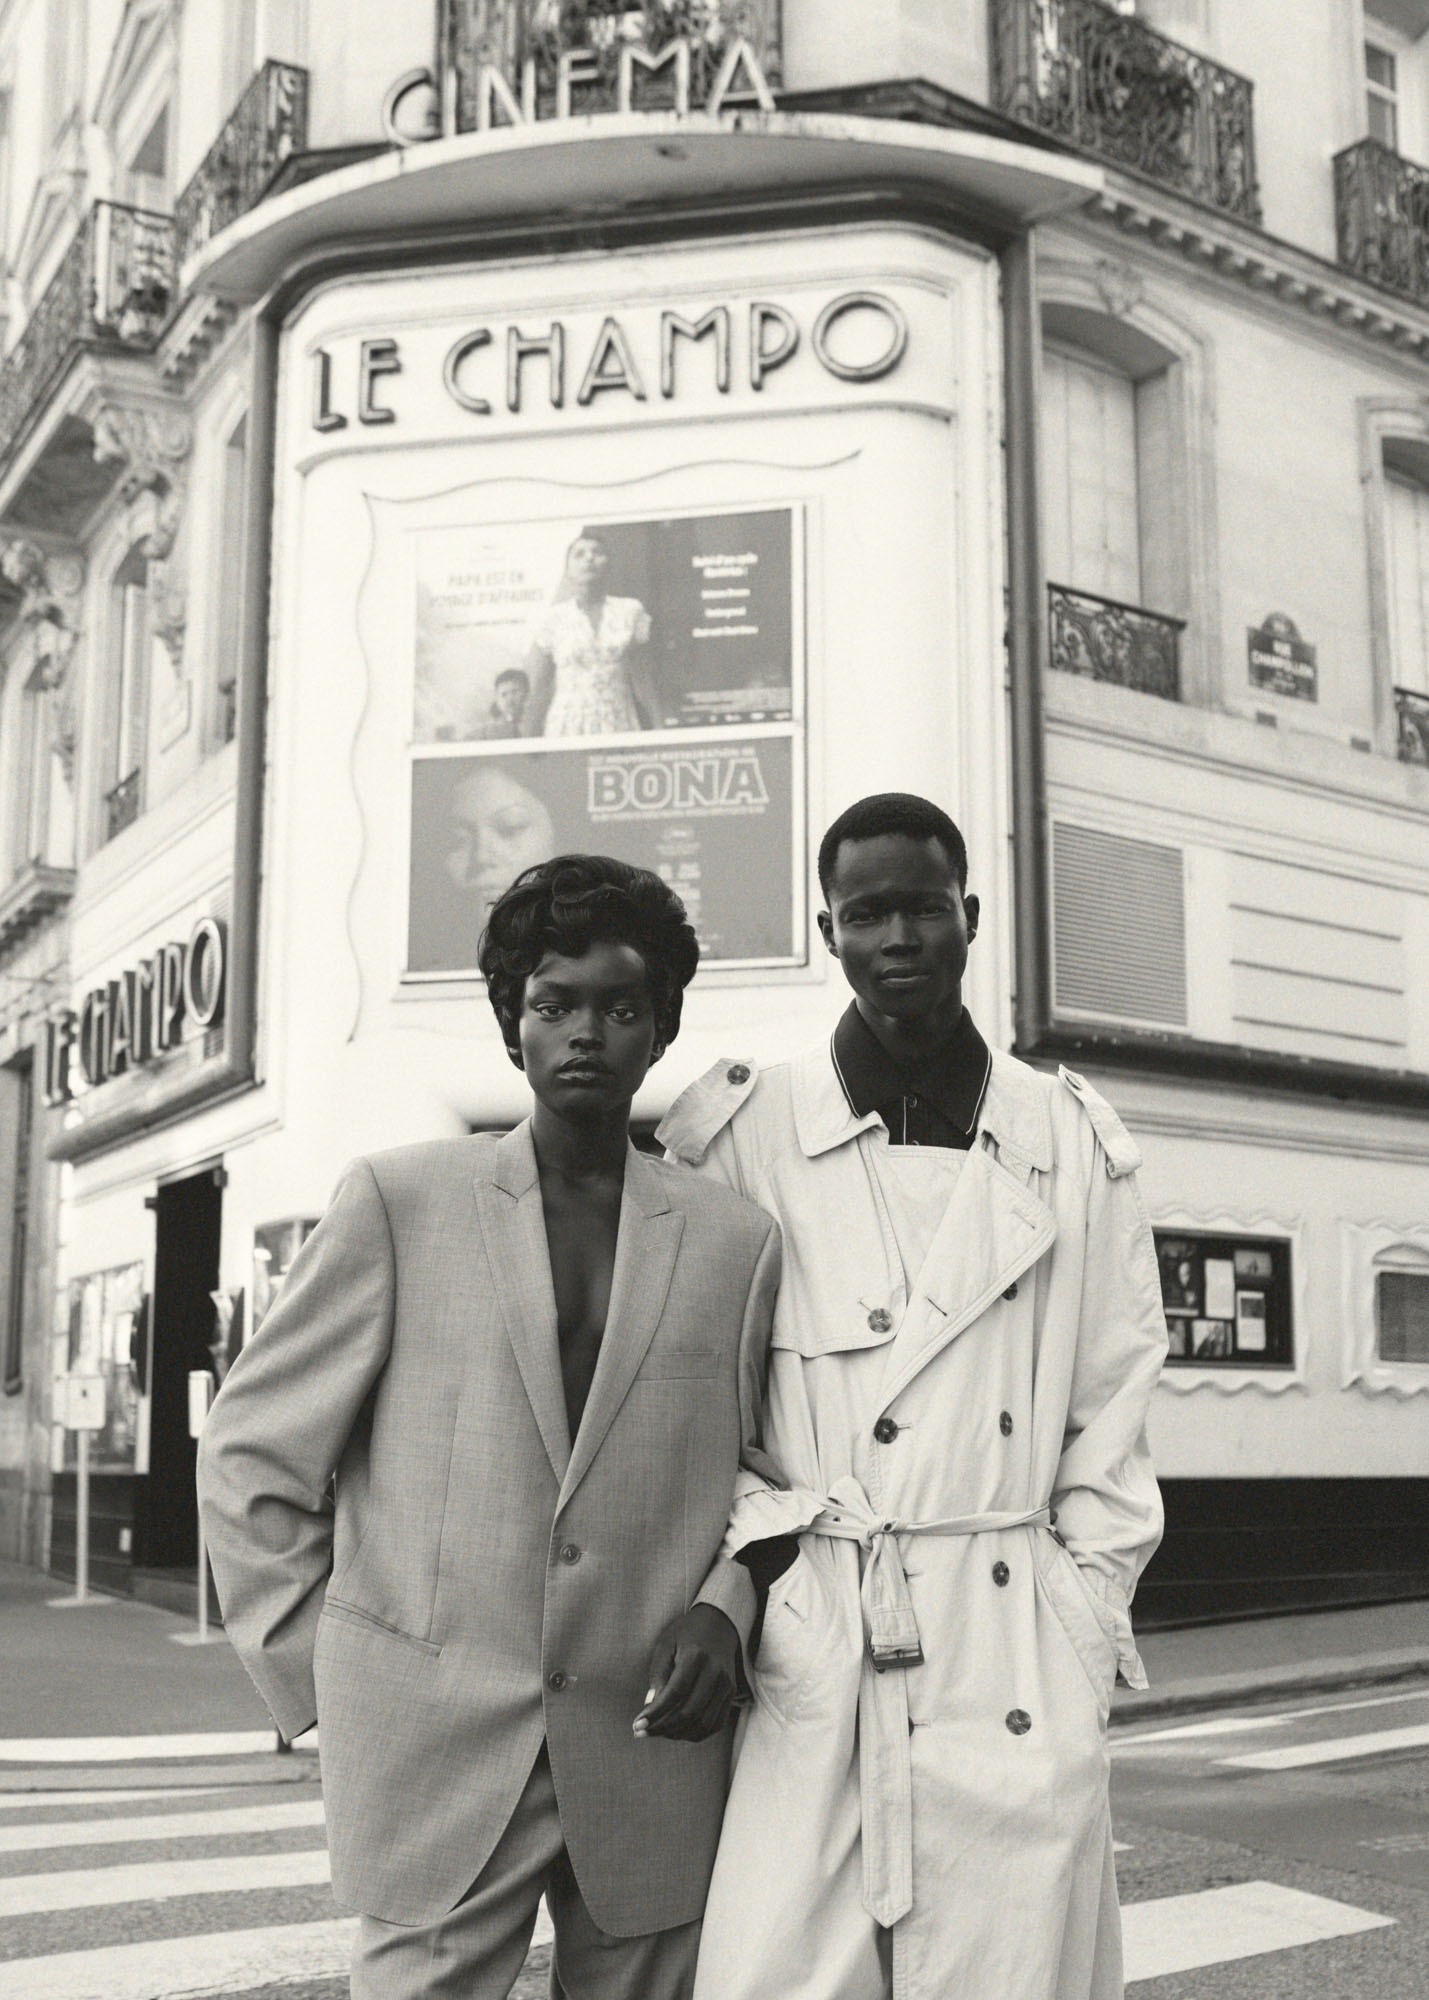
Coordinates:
<point>498,827</point>
<point>587,561</point>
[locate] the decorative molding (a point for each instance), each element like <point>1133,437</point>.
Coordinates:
<point>1185,1378</point>
<point>151,441</point>
<point>50,584</point>
<point>1367,1248</point>
<point>1120,285</point>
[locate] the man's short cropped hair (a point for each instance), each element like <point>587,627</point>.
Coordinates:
<point>572,902</point>
<point>512,674</point>
<point>892,812</point>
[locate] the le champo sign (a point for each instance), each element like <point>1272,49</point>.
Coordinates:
<point>138,1018</point>
<point>515,62</point>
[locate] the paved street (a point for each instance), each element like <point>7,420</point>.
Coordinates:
<point>1275,1853</point>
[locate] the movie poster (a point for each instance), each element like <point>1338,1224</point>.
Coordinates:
<point>107,1328</point>
<point>627,687</point>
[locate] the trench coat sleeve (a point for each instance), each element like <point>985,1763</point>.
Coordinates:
<point>276,1432</point>
<point>1105,1497</point>
<point>728,1585</point>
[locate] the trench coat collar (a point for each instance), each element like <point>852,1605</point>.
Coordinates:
<point>1015,1112</point>
<point>508,1197</point>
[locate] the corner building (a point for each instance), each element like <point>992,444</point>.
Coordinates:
<point>1017,404</point>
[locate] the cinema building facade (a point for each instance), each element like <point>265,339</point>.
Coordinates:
<point>599,435</point>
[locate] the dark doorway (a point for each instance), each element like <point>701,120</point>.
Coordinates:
<point>188,1220</point>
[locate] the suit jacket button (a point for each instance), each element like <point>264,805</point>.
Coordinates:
<point>557,1681</point>
<point>1004,1423</point>
<point>1018,1721</point>
<point>737,1073</point>
<point>885,1430</point>
<point>1011,1292</point>
<point>570,1553</point>
<point>1000,1574</point>
<point>880,1319</point>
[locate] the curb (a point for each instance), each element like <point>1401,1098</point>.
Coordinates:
<point>1266,1684</point>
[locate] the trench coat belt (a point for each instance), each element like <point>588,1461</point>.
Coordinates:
<point>891,1640</point>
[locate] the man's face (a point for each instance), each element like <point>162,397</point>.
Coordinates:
<point>899,926</point>
<point>510,696</point>
<point>587,1030</point>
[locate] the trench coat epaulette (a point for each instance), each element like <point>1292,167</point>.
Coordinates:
<point>1123,1155</point>
<point>703,1109</point>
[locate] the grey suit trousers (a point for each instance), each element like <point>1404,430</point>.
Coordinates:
<point>476,1951</point>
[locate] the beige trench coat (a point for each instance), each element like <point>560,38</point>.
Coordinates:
<point>961,1801</point>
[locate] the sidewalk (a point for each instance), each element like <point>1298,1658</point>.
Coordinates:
<point>1260,1659</point>
<point>112,1670</point>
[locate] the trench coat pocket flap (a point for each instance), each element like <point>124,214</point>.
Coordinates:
<point>673,1363</point>
<point>869,1323</point>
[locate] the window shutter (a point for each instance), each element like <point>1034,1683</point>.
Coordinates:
<point>1091,523</point>
<point>1407,548</point>
<point>1119,926</point>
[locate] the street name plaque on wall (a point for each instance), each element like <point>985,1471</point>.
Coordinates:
<point>1281,661</point>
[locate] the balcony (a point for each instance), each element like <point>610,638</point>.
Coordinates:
<point>1382,218</point>
<point>1413,712</point>
<point>34,894</point>
<point>1113,87</point>
<point>121,806</point>
<point>112,290</point>
<point>266,127</point>
<point>1103,640</point>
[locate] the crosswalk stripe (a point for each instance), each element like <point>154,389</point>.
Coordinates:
<point>275,1818</point>
<point>1245,1724</point>
<point>1243,1920</point>
<point>1334,1750</point>
<point>123,1796</point>
<point>156,1881</point>
<point>133,1749</point>
<point>217,1962</point>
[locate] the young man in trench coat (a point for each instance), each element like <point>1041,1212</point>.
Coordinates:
<point>966,1340</point>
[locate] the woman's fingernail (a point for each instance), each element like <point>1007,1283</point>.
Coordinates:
<point>649,1696</point>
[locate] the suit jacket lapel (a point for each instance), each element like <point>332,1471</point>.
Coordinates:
<point>645,1251</point>
<point>508,1200</point>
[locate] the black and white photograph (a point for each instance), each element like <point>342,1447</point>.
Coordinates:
<point>714,999</point>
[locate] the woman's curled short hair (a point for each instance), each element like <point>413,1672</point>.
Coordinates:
<point>568,904</point>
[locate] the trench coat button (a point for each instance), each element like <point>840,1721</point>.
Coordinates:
<point>737,1073</point>
<point>1000,1574</point>
<point>1011,1292</point>
<point>1018,1721</point>
<point>570,1553</point>
<point>880,1319</point>
<point>557,1681</point>
<point>1004,1423</point>
<point>885,1430</point>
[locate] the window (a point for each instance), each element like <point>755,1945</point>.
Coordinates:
<point>17,1126</point>
<point>123,776</point>
<point>148,173</point>
<point>230,584</point>
<point>1407,553</point>
<point>1381,73</point>
<point>1093,534</point>
<point>1226,1299</point>
<point>1401,1301</point>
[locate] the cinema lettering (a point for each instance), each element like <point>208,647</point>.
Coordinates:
<point>139,1017</point>
<point>514,365</point>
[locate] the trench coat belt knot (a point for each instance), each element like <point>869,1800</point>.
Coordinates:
<point>891,1640</point>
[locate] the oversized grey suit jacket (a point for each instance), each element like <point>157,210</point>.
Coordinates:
<point>482,1582</point>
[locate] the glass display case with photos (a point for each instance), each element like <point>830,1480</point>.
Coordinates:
<point>1226,1299</point>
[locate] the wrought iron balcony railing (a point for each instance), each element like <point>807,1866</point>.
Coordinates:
<point>523,41</point>
<point>1382,218</point>
<point>1413,712</point>
<point>121,806</point>
<point>112,288</point>
<point>1112,86</point>
<point>1104,640</point>
<point>268,124</point>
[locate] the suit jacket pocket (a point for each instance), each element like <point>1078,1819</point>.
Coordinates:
<point>353,1614</point>
<point>674,1363</point>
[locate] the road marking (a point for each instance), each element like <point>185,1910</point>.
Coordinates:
<point>121,1796</point>
<point>157,1881</point>
<point>1335,1750</point>
<point>220,1962</point>
<point>1212,1926</point>
<point>133,1749</point>
<point>162,1826</point>
<point>1232,1725</point>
